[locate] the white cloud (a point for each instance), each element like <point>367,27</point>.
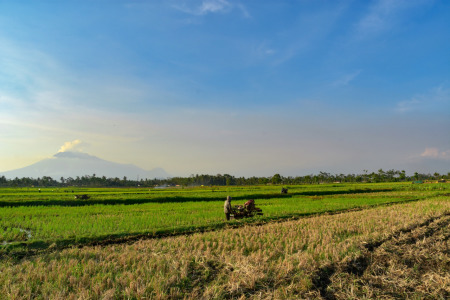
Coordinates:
<point>74,145</point>
<point>214,6</point>
<point>436,153</point>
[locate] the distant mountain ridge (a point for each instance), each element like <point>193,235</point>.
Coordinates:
<point>73,164</point>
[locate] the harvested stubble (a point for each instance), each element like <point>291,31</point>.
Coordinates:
<point>278,260</point>
<point>415,265</point>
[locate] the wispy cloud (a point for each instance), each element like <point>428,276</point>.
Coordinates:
<point>214,6</point>
<point>31,77</point>
<point>36,81</point>
<point>20,63</point>
<point>303,36</point>
<point>436,153</point>
<point>243,10</point>
<point>384,14</point>
<point>408,105</point>
<point>437,97</point>
<point>263,50</point>
<point>8,101</point>
<point>205,7</point>
<point>346,79</point>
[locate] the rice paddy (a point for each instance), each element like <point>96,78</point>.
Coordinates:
<point>321,241</point>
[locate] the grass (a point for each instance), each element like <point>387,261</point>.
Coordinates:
<point>52,217</point>
<point>109,196</point>
<point>303,258</point>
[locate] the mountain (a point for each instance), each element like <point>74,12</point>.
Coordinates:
<point>73,164</point>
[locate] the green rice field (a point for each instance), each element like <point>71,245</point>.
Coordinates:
<point>42,218</point>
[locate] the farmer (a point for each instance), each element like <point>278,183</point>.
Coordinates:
<point>227,208</point>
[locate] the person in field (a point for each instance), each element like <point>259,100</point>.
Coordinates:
<point>227,208</point>
<point>250,205</point>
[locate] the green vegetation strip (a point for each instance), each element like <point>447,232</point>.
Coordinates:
<point>41,227</point>
<point>110,196</point>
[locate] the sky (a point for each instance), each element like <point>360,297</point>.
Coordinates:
<point>247,88</point>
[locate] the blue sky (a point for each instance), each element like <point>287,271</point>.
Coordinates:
<point>222,86</point>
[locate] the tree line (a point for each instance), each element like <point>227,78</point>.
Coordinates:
<point>220,180</point>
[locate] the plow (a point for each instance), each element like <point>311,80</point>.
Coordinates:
<point>247,210</point>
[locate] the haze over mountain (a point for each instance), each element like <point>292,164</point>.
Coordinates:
<point>73,163</point>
